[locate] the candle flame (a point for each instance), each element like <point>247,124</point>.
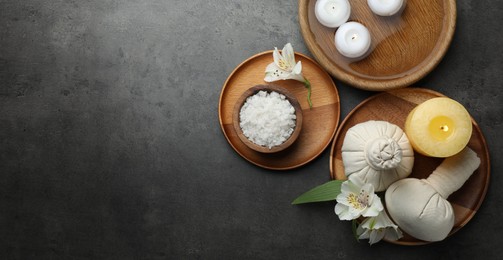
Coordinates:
<point>444,128</point>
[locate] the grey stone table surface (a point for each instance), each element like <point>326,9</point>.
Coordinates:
<point>110,144</point>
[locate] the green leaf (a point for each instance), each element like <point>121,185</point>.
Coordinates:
<point>324,192</point>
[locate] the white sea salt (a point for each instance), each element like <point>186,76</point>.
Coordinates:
<point>267,119</point>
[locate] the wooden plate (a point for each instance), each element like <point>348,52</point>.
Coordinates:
<point>319,123</point>
<point>394,106</point>
<point>406,46</point>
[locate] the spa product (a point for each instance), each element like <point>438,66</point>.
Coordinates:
<point>378,152</point>
<point>352,40</point>
<point>439,127</point>
<point>420,207</point>
<point>267,119</point>
<point>385,7</point>
<point>332,13</point>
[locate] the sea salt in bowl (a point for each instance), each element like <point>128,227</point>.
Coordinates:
<point>267,118</point>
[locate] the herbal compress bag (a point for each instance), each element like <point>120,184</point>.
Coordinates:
<point>420,206</point>
<point>378,152</point>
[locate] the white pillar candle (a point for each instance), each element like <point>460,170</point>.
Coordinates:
<point>385,7</point>
<point>332,13</point>
<point>352,40</point>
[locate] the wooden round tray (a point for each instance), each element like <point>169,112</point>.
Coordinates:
<point>394,106</point>
<point>405,47</point>
<point>319,123</point>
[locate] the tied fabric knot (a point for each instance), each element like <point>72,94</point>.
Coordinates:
<point>383,153</point>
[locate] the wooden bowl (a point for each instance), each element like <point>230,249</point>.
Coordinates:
<point>269,88</point>
<point>405,47</point>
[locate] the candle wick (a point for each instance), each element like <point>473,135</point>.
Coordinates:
<point>354,36</point>
<point>444,128</point>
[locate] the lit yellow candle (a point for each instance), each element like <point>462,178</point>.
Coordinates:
<point>439,127</point>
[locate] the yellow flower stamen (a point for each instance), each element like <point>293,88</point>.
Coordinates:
<point>283,65</point>
<point>355,201</point>
<point>359,202</point>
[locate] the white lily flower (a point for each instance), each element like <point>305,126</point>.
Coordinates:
<point>284,67</point>
<point>357,199</point>
<point>376,228</point>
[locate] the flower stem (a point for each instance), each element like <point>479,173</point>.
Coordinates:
<point>307,84</point>
<point>354,227</point>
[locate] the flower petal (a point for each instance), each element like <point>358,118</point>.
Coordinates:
<point>383,221</point>
<point>354,213</point>
<point>368,188</point>
<point>272,73</point>
<point>375,208</point>
<point>350,186</point>
<point>361,232</point>
<point>270,77</point>
<point>393,234</point>
<point>366,230</point>
<point>343,212</point>
<point>377,228</point>
<point>297,77</point>
<point>376,236</point>
<point>370,212</point>
<point>342,198</point>
<point>288,55</point>
<point>271,67</point>
<point>368,223</point>
<point>392,230</point>
<point>276,56</point>
<point>297,69</point>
